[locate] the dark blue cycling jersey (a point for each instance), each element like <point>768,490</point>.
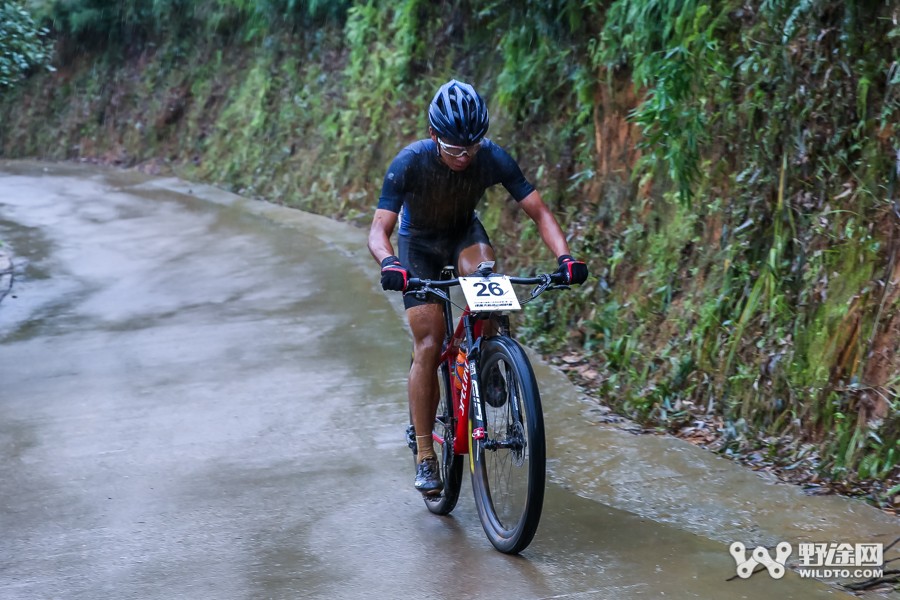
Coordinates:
<point>437,201</point>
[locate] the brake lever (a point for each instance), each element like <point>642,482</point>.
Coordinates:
<point>538,290</point>
<point>546,285</point>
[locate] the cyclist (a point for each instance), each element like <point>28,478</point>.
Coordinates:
<point>433,186</point>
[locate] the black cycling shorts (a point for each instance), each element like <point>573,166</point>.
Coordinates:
<point>425,256</point>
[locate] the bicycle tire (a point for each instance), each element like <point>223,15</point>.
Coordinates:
<point>513,449</point>
<point>451,464</point>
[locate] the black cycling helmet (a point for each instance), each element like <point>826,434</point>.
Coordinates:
<point>458,115</point>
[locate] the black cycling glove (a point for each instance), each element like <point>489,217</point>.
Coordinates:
<point>394,275</point>
<point>574,271</point>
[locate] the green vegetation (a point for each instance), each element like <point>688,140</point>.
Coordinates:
<point>729,169</point>
<point>22,44</point>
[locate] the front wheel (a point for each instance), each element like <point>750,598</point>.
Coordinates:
<point>509,458</point>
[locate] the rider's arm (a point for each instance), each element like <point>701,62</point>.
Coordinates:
<point>547,225</point>
<point>380,234</point>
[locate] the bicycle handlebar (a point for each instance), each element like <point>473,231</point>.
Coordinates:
<point>415,283</point>
<point>544,282</point>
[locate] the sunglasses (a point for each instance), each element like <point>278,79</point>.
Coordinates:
<point>458,151</point>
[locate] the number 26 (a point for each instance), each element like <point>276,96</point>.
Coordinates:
<point>493,288</point>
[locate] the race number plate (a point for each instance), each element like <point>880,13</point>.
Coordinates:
<point>489,293</point>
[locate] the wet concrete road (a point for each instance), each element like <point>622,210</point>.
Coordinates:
<point>203,397</point>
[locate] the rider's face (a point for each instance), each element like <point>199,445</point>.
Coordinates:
<point>455,163</point>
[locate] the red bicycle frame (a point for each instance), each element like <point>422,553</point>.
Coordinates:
<point>461,394</point>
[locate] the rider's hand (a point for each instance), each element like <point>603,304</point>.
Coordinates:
<point>574,271</point>
<point>394,275</point>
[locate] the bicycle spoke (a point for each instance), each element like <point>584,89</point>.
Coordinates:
<point>506,455</point>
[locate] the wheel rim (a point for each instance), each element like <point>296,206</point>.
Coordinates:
<point>443,429</point>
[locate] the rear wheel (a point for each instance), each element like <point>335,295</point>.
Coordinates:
<point>509,460</point>
<point>451,465</point>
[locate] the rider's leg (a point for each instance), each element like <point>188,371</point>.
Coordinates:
<point>474,255</point>
<point>469,259</point>
<point>427,325</point>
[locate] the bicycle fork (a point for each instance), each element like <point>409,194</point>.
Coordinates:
<point>470,432</point>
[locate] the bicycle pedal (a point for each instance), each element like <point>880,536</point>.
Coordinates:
<point>411,439</point>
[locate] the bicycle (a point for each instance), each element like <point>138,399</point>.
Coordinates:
<point>489,406</point>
